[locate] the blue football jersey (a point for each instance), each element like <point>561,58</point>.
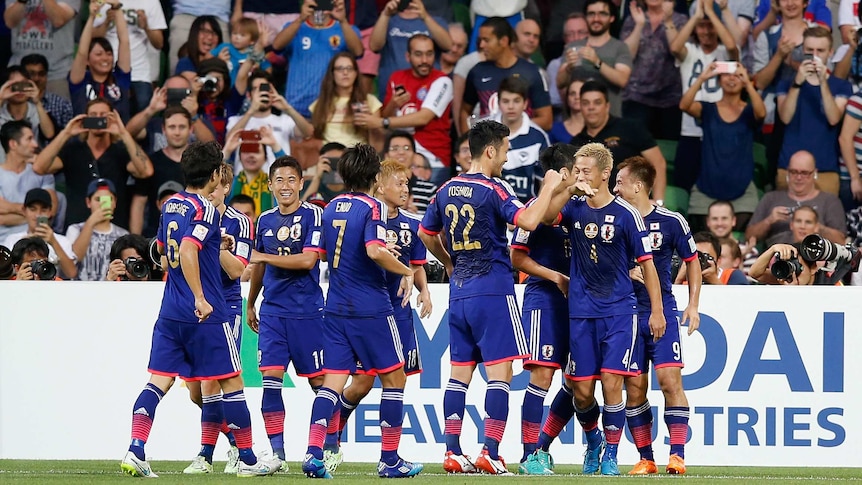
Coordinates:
<point>288,291</point>
<point>474,210</point>
<point>403,230</point>
<point>191,217</point>
<point>357,285</point>
<point>668,233</point>
<point>522,170</point>
<point>236,224</point>
<point>551,247</point>
<point>604,240</point>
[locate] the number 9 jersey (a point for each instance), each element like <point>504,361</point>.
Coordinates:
<point>191,217</point>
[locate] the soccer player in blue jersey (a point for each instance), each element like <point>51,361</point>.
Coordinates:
<point>606,233</point>
<point>286,264</point>
<point>401,237</point>
<point>236,229</point>
<point>544,255</point>
<point>484,320</point>
<point>668,233</point>
<point>358,323</point>
<point>193,336</point>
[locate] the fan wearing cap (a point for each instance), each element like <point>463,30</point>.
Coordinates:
<point>92,239</point>
<point>37,212</point>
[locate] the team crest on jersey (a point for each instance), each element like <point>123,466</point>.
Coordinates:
<point>334,41</point>
<point>654,226</point>
<point>607,232</point>
<point>592,230</point>
<point>423,91</point>
<point>547,351</point>
<point>655,239</point>
<point>391,237</point>
<point>296,231</point>
<point>283,233</point>
<point>406,237</point>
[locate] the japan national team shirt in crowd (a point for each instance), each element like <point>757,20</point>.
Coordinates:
<point>474,209</point>
<point>522,170</point>
<point>236,224</point>
<point>403,231</point>
<point>357,285</point>
<point>191,217</point>
<point>433,92</point>
<point>604,240</point>
<point>484,80</point>
<point>288,291</point>
<point>668,232</point>
<point>550,247</point>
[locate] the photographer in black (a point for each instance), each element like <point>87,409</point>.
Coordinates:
<point>708,253</point>
<point>30,260</point>
<point>814,261</point>
<point>131,261</point>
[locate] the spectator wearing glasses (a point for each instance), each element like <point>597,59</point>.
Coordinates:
<point>401,147</point>
<point>773,214</point>
<point>58,107</point>
<point>205,33</point>
<point>188,14</point>
<point>574,29</point>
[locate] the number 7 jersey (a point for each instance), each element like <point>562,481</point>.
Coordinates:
<point>474,210</point>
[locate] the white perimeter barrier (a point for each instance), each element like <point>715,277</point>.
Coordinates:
<point>769,378</point>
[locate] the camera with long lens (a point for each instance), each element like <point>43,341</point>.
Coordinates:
<point>6,267</point>
<point>44,269</point>
<point>815,248</point>
<point>786,269</point>
<point>210,84</point>
<point>137,267</point>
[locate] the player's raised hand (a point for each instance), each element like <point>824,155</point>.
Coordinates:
<point>582,188</point>
<point>692,316</point>
<point>203,309</point>
<point>423,304</point>
<point>552,178</point>
<point>251,318</point>
<point>657,325</point>
<point>405,289</point>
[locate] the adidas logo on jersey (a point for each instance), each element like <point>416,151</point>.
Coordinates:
<point>268,232</point>
<point>141,411</point>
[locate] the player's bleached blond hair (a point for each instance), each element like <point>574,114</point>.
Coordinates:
<point>226,172</point>
<point>599,153</point>
<point>388,168</point>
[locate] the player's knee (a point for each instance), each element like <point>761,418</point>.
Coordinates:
<point>359,387</point>
<point>396,379</point>
<point>462,373</point>
<point>499,372</point>
<point>315,382</point>
<point>541,376</point>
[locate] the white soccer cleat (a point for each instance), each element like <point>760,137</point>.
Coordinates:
<point>263,467</point>
<point>198,466</point>
<point>232,465</point>
<point>331,459</point>
<point>131,465</point>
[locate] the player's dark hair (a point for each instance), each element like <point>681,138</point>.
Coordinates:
<point>31,59</point>
<point>359,167</point>
<point>593,85</point>
<point>419,36</point>
<point>708,237</point>
<point>719,203</point>
<point>285,161</point>
<point>501,28</point>
<point>333,145</point>
<point>558,156</point>
<point>134,241</point>
<point>611,7</point>
<point>242,199</point>
<point>486,133</point>
<point>399,134</point>
<point>515,85</point>
<point>29,245</point>
<point>12,130</point>
<point>641,169</point>
<point>199,162</point>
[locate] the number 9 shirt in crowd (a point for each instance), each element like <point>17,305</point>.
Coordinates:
<point>358,319</point>
<point>602,304</point>
<point>484,319</point>
<point>238,225</point>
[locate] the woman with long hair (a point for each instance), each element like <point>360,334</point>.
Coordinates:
<point>563,131</point>
<point>204,34</point>
<point>94,73</point>
<point>342,95</point>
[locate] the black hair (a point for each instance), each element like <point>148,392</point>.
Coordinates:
<point>399,134</point>
<point>16,68</point>
<point>461,139</point>
<point>611,7</point>
<point>199,162</point>
<point>708,237</point>
<point>31,59</point>
<point>593,85</point>
<point>558,156</point>
<point>135,241</point>
<point>12,130</point>
<point>501,28</point>
<point>243,199</point>
<point>419,36</point>
<point>285,161</point>
<point>333,145</point>
<point>29,245</point>
<point>259,74</point>
<point>486,133</point>
<point>359,167</point>
<point>515,85</point>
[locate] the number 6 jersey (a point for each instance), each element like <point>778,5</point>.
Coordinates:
<point>474,210</point>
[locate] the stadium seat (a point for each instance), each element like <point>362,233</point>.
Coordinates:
<point>668,150</point>
<point>760,166</point>
<point>676,199</point>
<point>461,13</point>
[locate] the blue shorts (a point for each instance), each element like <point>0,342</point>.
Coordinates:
<point>667,352</point>
<point>409,345</point>
<point>486,329</point>
<point>601,345</point>
<point>547,331</point>
<point>282,340</point>
<point>194,351</point>
<point>372,341</point>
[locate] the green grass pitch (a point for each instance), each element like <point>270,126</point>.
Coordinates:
<point>97,472</point>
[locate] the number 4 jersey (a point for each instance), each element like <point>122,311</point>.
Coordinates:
<point>191,217</point>
<point>474,209</point>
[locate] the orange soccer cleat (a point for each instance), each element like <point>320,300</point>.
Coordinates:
<point>644,467</point>
<point>675,465</point>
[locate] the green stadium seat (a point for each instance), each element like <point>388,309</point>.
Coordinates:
<point>668,150</point>
<point>760,166</point>
<point>676,199</point>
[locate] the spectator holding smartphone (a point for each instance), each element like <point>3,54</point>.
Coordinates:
<point>93,238</point>
<point>20,100</point>
<point>325,184</point>
<point>253,180</point>
<point>37,211</point>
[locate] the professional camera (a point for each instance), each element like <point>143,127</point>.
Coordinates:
<point>786,269</point>
<point>704,259</point>
<point>44,269</point>
<point>210,84</point>
<point>435,272</point>
<point>139,268</point>
<point>815,248</point>
<point>6,269</point>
